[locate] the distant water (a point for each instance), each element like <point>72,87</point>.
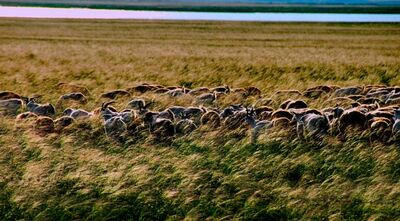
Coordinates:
<point>42,12</point>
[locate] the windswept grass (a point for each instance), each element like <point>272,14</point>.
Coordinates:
<point>80,174</point>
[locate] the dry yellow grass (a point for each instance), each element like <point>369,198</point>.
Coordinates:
<point>81,174</point>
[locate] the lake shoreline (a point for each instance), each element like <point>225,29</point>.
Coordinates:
<point>237,8</point>
<point>85,13</point>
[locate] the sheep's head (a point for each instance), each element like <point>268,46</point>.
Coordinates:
<point>250,112</point>
<point>67,112</point>
<point>337,112</point>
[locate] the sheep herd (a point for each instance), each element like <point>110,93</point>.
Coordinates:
<point>356,109</point>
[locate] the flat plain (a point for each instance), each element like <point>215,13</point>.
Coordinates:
<point>83,175</point>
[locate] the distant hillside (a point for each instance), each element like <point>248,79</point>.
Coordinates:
<point>313,6</point>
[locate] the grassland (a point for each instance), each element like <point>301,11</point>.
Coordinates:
<point>82,175</point>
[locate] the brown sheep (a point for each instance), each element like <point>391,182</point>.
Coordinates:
<point>207,98</point>
<point>282,113</point>
<point>298,104</point>
<point>313,93</point>
<point>281,122</point>
<point>25,119</point>
<point>69,87</point>
<point>293,104</point>
<point>62,122</point>
<point>221,89</point>
<point>161,90</point>
<point>235,121</point>
<point>211,118</point>
<point>26,115</point>
<point>160,127</point>
<point>293,92</point>
<point>324,88</point>
<point>5,95</point>
<point>199,91</point>
<point>143,88</point>
<point>380,129</point>
<point>346,91</point>
<point>74,96</point>
<point>185,126</point>
<point>353,118</point>
<point>252,91</point>
<point>115,93</point>
<point>44,124</point>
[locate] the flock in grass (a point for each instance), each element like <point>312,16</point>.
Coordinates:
<point>372,108</point>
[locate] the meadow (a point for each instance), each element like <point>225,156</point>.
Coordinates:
<point>80,174</point>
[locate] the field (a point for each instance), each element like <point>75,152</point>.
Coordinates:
<point>81,174</point>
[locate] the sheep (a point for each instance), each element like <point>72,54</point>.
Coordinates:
<point>199,91</point>
<point>281,122</point>
<point>63,122</point>
<point>293,104</point>
<point>161,90</point>
<point>40,109</point>
<point>167,114</point>
<point>115,93</point>
<point>6,95</point>
<point>221,89</point>
<point>311,125</point>
<point>391,101</point>
<point>346,91</point>
<point>174,87</point>
<point>75,96</point>
<point>263,112</point>
<point>194,112</point>
<point>369,100</point>
<point>353,118</point>
<point>77,113</point>
<point>44,124</point>
<point>207,97</point>
<point>285,104</point>
<point>26,115</point>
<point>177,92</point>
<point>137,104</point>
<point>293,92</point>
<point>11,106</point>
<point>380,128</point>
<point>236,120</point>
<point>162,128</point>
<point>313,93</point>
<point>252,91</point>
<point>380,114</point>
<point>396,126</point>
<point>228,111</point>
<point>256,125</point>
<point>324,88</point>
<point>114,123</point>
<point>377,94</point>
<point>185,126</point>
<point>73,88</point>
<point>211,118</point>
<point>143,88</point>
<point>296,104</point>
<point>248,91</point>
<point>281,113</point>
<point>177,111</point>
